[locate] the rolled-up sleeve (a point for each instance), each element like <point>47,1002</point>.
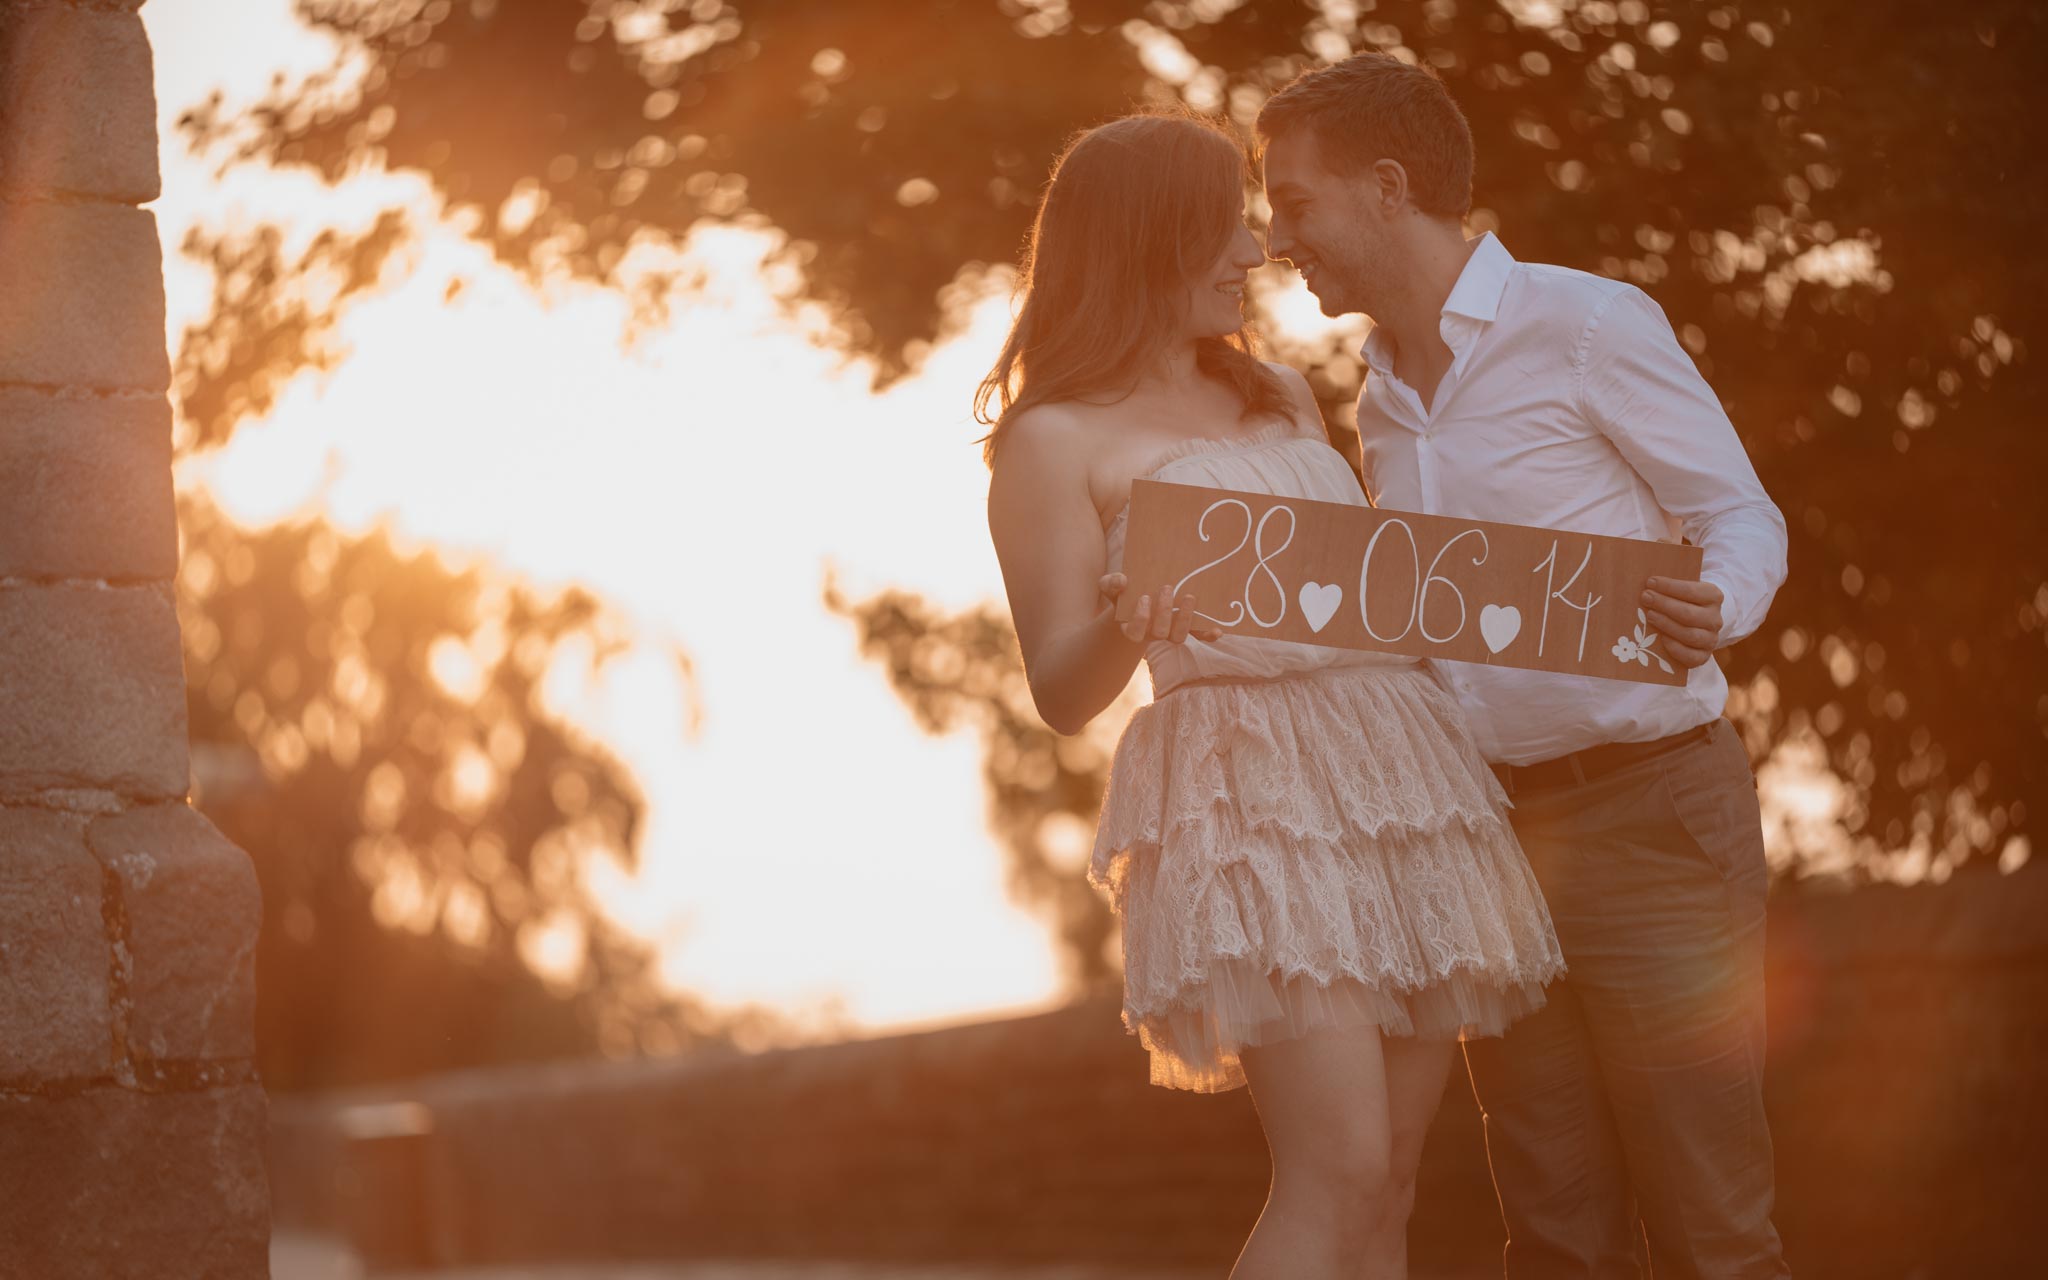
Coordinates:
<point>1642,390</point>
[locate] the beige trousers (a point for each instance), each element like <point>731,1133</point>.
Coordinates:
<point>1626,1117</point>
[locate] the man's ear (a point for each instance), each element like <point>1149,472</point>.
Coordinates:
<point>1390,182</point>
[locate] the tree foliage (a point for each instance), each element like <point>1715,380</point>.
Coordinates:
<point>368,725</point>
<point>272,319</point>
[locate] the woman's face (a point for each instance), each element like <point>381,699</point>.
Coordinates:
<point>1216,298</point>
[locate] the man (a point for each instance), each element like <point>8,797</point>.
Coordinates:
<point>1630,1108</point>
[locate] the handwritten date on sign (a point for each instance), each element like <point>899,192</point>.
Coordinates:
<point>1403,582</point>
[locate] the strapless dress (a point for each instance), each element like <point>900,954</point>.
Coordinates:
<point>1297,837</point>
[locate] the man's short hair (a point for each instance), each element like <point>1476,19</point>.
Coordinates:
<point>1372,107</point>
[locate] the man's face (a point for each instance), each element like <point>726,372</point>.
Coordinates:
<point>1324,224</point>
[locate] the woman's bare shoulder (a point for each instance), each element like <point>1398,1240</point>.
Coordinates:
<point>1041,427</point>
<point>1048,447</point>
<point>1040,443</point>
<point>1073,447</point>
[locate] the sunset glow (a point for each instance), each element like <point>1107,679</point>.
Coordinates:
<point>805,845</point>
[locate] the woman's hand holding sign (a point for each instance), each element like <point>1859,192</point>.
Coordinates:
<point>1173,623</point>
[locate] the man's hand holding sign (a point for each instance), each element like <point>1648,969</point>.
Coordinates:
<point>1687,613</point>
<point>1402,582</point>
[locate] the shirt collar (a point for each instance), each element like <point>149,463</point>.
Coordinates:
<point>1484,279</point>
<point>1476,295</point>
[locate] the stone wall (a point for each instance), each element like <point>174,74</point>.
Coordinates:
<point>132,1126</point>
<point>1910,1047</point>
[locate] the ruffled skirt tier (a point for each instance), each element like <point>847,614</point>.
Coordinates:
<point>1323,852</point>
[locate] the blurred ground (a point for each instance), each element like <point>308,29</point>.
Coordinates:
<point>303,1257</point>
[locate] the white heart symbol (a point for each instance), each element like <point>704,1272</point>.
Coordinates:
<point>1499,625</point>
<point>1318,602</point>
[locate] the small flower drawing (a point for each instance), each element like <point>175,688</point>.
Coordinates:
<point>1637,649</point>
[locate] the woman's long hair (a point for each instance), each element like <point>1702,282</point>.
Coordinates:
<point>1137,213</point>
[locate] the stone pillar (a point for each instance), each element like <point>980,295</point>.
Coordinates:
<point>131,1119</point>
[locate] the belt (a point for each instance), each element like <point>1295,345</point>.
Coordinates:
<point>1594,762</point>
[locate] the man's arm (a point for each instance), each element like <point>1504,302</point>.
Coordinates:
<point>1641,389</point>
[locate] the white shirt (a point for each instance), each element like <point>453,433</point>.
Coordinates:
<point>1570,405</point>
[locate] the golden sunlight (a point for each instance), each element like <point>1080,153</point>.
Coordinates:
<point>674,471</point>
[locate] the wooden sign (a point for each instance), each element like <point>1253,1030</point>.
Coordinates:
<point>1427,586</point>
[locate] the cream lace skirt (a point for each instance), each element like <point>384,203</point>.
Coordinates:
<point>1296,854</point>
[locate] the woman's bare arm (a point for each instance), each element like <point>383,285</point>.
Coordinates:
<point>1049,540</point>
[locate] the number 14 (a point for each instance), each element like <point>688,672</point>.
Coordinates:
<point>1549,563</point>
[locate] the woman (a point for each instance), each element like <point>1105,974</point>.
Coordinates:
<point>1318,888</point>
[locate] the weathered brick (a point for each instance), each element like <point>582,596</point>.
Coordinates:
<point>86,485</point>
<point>84,298</point>
<point>92,682</point>
<point>193,909</point>
<point>54,1019</point>
<point>113,1183</point>
<point>78,98</point>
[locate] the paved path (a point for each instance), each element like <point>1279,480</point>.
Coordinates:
<point>298,1257</point>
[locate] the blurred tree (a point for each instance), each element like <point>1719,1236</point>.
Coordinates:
<point>271,319</point>
<point>368,726</point>
<point>1835,203</point>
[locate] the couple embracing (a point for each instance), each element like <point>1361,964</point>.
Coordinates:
<point>1334,868</point>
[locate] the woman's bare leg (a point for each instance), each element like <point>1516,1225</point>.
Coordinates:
<point>1322,1101</point>
<point>1415,1071</point>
